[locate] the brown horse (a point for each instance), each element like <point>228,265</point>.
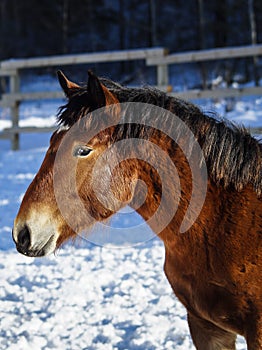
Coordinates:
<point>214,266</point>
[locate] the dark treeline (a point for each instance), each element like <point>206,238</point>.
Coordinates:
<point>35,28</point>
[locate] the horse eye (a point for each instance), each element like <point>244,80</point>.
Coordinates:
<point>82,151</point>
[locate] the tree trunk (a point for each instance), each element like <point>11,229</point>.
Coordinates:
<point>152,23</point>
<point>220,23</point>
<point>65,26</point>
<point>122,33</point>
<point>253,32</point>
<point>202,44</point>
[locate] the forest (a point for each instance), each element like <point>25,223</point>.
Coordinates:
<point>33,28</point>
<point>49,27</point>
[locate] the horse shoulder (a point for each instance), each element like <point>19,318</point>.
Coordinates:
<point>216,271</point>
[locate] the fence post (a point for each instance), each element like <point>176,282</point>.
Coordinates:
<point>14,88</point>
<point>162,75</point>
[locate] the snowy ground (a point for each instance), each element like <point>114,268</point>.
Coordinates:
<point>86,297</point>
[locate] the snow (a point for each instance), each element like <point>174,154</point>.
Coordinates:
<point>86,296</point>
<point>89,298</point>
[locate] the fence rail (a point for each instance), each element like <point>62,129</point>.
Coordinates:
<point>207,55</point>
<point>106,56</point>
<point>157,57</point>
<point>218,93</point>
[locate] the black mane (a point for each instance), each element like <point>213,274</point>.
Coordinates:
<point>232,155</point>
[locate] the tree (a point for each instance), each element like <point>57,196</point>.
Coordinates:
<point>253,31</point>
<point>65,15</point>
<point>202,40</point>
<point>153,23</point>
<point>220,24</point>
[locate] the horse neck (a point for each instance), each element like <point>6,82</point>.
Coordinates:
<point>163,188</point>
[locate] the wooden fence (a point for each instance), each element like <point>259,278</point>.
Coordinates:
<point>157,57</point>
<point>12,69</point>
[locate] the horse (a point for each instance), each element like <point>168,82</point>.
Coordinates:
<point>214,264</point>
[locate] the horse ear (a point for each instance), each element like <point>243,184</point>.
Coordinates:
<point>95,91</point>
<point>68,86</point>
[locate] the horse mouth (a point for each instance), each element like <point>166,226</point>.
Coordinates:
<point>31,253</point>
<point>37,252</point>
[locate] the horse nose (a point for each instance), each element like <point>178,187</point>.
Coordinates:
<point>23,239</point>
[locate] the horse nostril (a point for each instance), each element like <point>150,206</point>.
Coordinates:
<point>23,238</point>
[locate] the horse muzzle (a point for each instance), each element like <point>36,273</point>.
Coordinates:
<point>33,244</point>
